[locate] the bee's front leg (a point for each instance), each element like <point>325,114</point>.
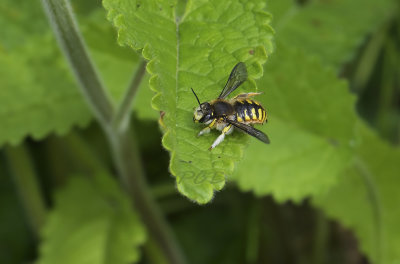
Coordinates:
<point>207,129</point>
<point>221,137</point>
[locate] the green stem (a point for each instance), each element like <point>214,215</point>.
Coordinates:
<point>126,155</point>
<point>387,90</point>
<point>320,238</point>
<point>123,145</point>
<point>369,57</point>
<point>153,254</point>
<point>253,232</point>
<point>28,188</point>
<point>66,30</point>
<point>123,113</point>
<point>373,196</point>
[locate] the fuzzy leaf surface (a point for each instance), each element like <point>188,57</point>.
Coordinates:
<point>311,128</point>
<point>196,50</point>
<point>367,197</point>
<point>96,214</point>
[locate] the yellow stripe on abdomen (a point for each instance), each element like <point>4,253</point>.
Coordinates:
<point>246,116</point>
<point>260,114</point>
<point>253,114</point>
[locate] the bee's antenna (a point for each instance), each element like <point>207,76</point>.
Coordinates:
<point>196,96</point>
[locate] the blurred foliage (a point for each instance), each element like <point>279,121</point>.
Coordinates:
<point>104,229</point>
<point>324,191</point>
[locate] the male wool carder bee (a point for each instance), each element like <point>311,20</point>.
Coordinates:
<point>225,114</point>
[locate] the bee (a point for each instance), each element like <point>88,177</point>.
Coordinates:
<point>240,112</point>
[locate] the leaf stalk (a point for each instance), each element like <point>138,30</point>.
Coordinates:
<point>29,191</point>
<point>121,119</point>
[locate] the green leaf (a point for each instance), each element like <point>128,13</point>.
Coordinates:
<point>196,50</point>
<point>331,29</point>
<point>311,127</point>
<point>36,99</point>
<point>39,95</point>
<point>96,214</point>
<point>366,199</point>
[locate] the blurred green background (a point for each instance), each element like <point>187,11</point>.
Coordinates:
<point>50,146</point>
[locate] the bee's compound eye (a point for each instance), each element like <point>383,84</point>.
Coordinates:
<point>205,107</point>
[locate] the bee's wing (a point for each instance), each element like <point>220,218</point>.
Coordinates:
<point>250,130</point>
<point>237,77</point>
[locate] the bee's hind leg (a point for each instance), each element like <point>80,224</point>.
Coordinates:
<point>226,130</point>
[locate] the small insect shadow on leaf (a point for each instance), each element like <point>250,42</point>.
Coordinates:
<point>184,161</point>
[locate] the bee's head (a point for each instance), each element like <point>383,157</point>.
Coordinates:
<point>203,113</point>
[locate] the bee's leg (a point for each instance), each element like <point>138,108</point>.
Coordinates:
<point>207,129</point>
<point>245,95</point>
<point>227,130</point>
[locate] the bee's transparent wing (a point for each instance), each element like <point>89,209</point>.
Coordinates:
<point>237,77</point>
<point>250,130</point>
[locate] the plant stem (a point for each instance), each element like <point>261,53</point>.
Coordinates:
<point>123,113</point>
<point>387,91</point>
<point>25,179</point>
<point>253,232</point>
<point>123,145</point>
<point>59,14</point>
<point>369,57</point>
<point>374,199</point>
<point>126,154</point>
<point>320,238</point>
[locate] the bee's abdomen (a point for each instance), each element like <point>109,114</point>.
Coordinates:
<point>249,111</point>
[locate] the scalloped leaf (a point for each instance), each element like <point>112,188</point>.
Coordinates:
<point>367,198</point>
<point>311,127</point>
<point>331,29</point>
<point>92,222</point>
<point>196,50</point>
<point>39,95</point>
